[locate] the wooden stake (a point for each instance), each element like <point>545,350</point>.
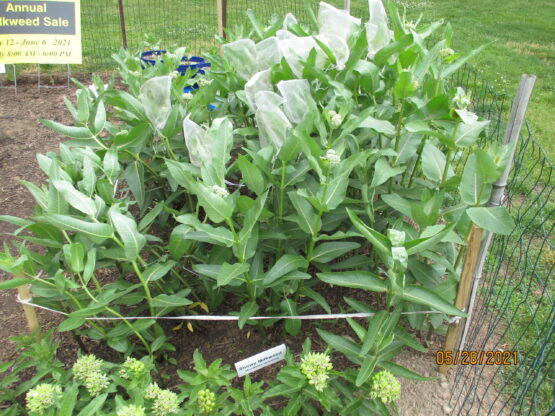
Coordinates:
<point>463,291</point>
<point>221,6</point>
<point>122,24</point>
<point>30,314</point>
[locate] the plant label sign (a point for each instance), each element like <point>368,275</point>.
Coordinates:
<point>261,360</point>
<point>40,31</point>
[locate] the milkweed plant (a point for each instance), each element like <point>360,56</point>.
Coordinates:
<point>332,152</point>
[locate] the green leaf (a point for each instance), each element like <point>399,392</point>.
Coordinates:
<point>326,252</point>
<point>126,227</point>
<point>401,371</point>
<point>376,323</point>
<point>383,55</point>
<point>75,256</point>
<point>66,222</point>
<point>307,217</point>
<point>93,406</point>
<point>13,283</point>
<point>170,301</point>
<point>158,270</point>
<point>134,175</point>
<point>494,219</point>
<point>292,326</point>
<point>380,242</point>
<point>247,310</point>
<point>341,344</point>
<point>398,203</point>
<point>355,279</point>
<point>287,263</point>
<point>421,244</point>
<point>424,296</point>
<point>69,131</point>
<point>473,189</point>
<point>83,110</point>
<point>75,198</point>
<point>90,265</point>
<point>228,272</point>
<point>467,134</point>
<point>433,162</point>
<point>68,401</point>
<point>366,369</point>
<point>446,72</point>
<point>316,297</point>
<point>110,164</point>
<point>252,176</point>
<point>151,216</point>
<point>485,166</point>
<point>380,126</point>
<point>99,117</point>
<point>383,171</point>
<point>71,323</point>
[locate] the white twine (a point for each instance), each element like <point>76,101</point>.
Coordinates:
<point>228,317</point>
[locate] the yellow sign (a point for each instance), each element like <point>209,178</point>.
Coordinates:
<point>40,31</point>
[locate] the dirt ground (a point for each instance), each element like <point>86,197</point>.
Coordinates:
<point>21,138</point>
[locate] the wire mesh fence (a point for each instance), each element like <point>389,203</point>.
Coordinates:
<point>515,310</point>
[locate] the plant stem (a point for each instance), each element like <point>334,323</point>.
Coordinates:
<point>418,159</point>
<point>250,286</point>
<point>145,287</point>
<point>446,169</point>
<point>146,165</point>
<point>281,203</point>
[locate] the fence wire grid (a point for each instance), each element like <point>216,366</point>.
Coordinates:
<point>515,309</point>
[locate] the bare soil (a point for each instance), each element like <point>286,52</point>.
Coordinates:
<point>22,136</point>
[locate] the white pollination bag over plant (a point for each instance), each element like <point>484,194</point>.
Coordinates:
<point>338,47</point>
<point>336,22</point>
<point>272,122</point>
<point>259,82</point>
<point>377,30</point>
<point>297,49</point>
<point>241,54</point>
<point>298,101</point>
<point>155,96</point>
<point>289,20</point>
<point>198,143</point>
<point>267,53</point>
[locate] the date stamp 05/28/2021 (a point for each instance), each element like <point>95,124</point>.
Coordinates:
<point>476,357</point>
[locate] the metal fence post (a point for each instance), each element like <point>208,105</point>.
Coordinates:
<point>122,24</point>
<point>512,133</point>
<point>347,5</point>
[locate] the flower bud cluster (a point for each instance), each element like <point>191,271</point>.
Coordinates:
<point>43,397</point>
<point>220,191</point>
<point>332,157</point>
<point>206,400</point>
<point>165,401</point>
<point>132,369</point>
<point>335,119</point>
<point>203,82</point>
<point>131,410</point>
<point>315,367</point>
<point>87,370</point>
<point>188,95</point>
<point>385,387</point>
<point>461,99</point>
<point>446,52</point>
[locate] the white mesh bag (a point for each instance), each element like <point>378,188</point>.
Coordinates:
<point>336,22</point>
<point>267,53</point>
<point>289,20</point>
<point>258,82</point>
<point>241,54</point>
<point>197,142</point>
<point>338,47</point>
<point>298,48</point>
<point>298,100</point>
<point>272,122</point>
<point>155,96</point>
<point>377,30</point>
